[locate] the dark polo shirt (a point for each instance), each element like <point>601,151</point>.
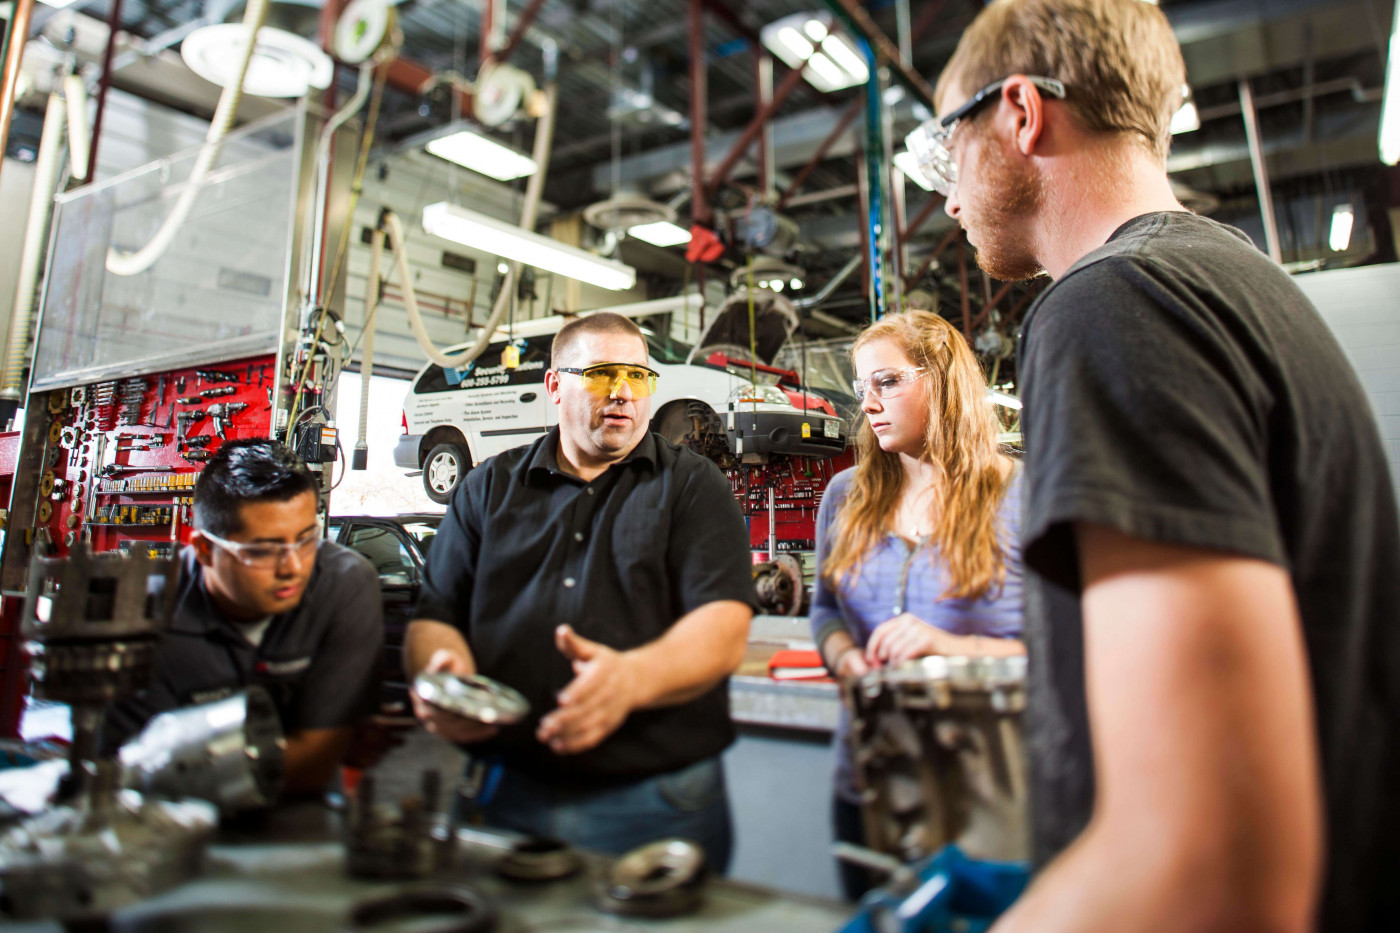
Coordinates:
<point>319,661</point>
<point>526,547</point>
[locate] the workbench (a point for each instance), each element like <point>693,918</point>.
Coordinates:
<point>288,876</point>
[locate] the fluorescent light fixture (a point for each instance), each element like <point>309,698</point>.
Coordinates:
<point>498,238</point>
<point>793,39</point>
<point>1390,112</point>
<point>1001,398</point>
<point>1343,216</point>
<point>472,150</point>
<point>661,233</point>
<point>58,4</point>
<point>1187,119</point>
<point>908,163</point>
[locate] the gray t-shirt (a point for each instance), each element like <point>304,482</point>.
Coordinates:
<point>319,661</point>
<point>1180,388</point>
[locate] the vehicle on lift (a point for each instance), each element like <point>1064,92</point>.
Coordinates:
<point>397,546</point>
<point>720,397</point>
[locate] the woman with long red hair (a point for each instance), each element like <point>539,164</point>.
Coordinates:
<point>917,545</point>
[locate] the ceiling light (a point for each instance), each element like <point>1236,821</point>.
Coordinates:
<point>661,233</point>
<point>776,285</point>
<point>1342,219</point>
<point>502,267</point>
<point>795,284</point>
<point>58,4</point>
<point>838,65</point>
<point>1187,119</point>
<point>479,153</point>
<point>908,163</point>
<point>1001,398</point>
<point>283,64</point>
<point>496,237</point>
<point>1390,112</point>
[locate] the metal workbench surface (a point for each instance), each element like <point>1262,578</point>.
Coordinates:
<point>288,875</point>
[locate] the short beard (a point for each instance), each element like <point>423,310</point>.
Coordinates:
<point>1011,193</point>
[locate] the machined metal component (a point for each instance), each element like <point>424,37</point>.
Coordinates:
<point>661,879</point>
<point>539,859</point>
<point>228,752</point>
<point>407,841</point>
<point>91,623</point>
<point>939,759</point>
<point>85,861</point>
<point>778,582</point>
<point>473,697</point>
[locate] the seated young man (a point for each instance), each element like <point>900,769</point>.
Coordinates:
<point>264,600</point>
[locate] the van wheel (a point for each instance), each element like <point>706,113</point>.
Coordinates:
<point>444,470</point>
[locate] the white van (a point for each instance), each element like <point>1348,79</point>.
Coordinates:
<point>729,409</point>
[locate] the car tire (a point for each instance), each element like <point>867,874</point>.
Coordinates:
<point>443,471</point>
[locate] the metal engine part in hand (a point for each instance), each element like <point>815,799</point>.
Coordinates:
<point>228,752</point>
<point>661,879</point>
<point>77,862</point>
<point>778,583</point>
<point>473,697</point>
<point>938,757</point>
<point>539,859</point>
<point>407,841</point>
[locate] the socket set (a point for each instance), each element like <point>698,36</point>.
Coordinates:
<point>174,482</point>
<point>127,514</point>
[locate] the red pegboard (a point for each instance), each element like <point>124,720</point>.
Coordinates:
<point>798,484</point>
<point>122,462</point>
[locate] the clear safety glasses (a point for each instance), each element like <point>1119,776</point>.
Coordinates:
<point>603,379</point>
<point>267,554</point>
<point>929,143</point>
<point>886,383</point>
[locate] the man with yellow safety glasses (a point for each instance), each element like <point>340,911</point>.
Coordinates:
<point>604,573</point>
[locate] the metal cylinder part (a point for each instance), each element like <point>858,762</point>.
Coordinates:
<point>228,752</point>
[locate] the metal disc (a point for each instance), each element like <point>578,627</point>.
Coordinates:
<point>472,697</point>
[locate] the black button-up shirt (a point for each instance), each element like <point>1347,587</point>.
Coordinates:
<point>526,547</point>
<point>319,661</point>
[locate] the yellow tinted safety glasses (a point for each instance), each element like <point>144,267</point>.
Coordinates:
<point>603,379</point>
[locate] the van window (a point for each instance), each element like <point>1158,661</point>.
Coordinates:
<point>487,371</point>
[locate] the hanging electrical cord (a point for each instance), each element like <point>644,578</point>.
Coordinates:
<point>372,291</point>
<point>356,186</point>
<point>119,263</point>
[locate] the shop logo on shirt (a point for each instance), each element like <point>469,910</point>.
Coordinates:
<point>284,668</point>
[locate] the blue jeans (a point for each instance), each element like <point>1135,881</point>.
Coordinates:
<point>691,803</point>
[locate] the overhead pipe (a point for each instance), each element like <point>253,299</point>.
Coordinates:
<point>925,212</point>
<point>1261,171</point>
<point>844,123</point>
<point>522,23</point>
<point>759,121</point>
<point>811,301</point>
<point>114,22</point>
<point>875,155</point>
<point>699,202</point>
<point>16,37</point>
<point>925,20</point>
<point>932,257</point>
<point>47,167</point>
<point>858,21</point>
